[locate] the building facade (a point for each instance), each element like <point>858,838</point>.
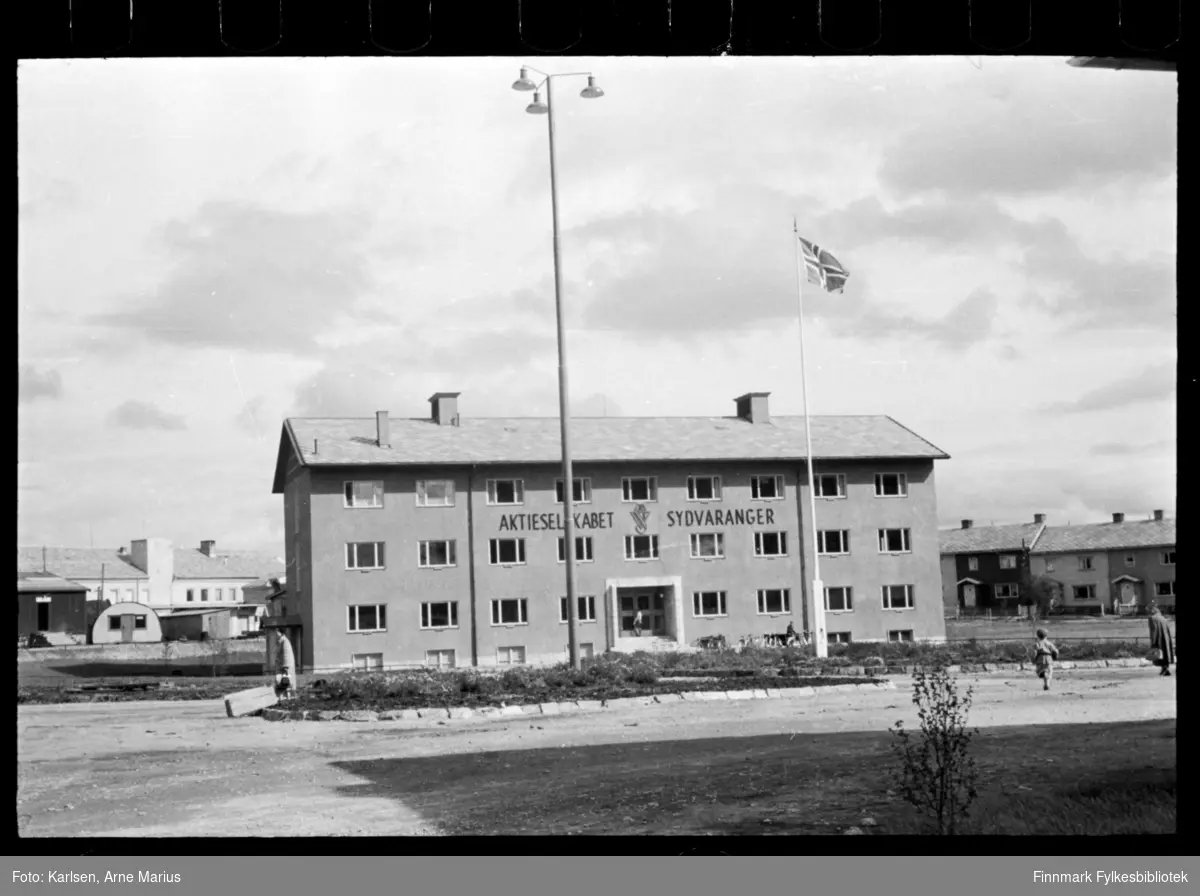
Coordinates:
<point>439,541</point>
<point>983,566</point>
<point>1124,566</point>
<point>49,605</point>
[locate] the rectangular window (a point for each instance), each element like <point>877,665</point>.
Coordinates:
<point>366,618</point>
<point>129,595</point>
<point>583,549</point>
<point>897,597</point>
<point>774,600</point>
<point>903,634</point>
<point>364,555</point>
<point>587,609</point>
<point>708,603</point>
<point>839,599</point>
<point>641,547</point>
<point>1130,560</point>
<point>837,637</point>
<point>114,623</point>
<point>367,662</point>
<point>139,621</point>
<point>895,541</point>
<point>833,541</point>
<point>830,485</point>
<point>443,614</point>
<point>1008,561</point>
<point>639,489</point>
<point>506,551</point>
<point>435,492</point>
<point>191,596</point>
<point>1085,563</point>
<point>1006,592</point>
<point>510,656</point>
<point>112,595</point>
<point>704,488</point>
<point>510,611</point>
<point>441,659</point>
<point>1085,592</point>
<point>505,491</point>
<point>1049,566</point>
<point>436,554</point>
<point>708,544</point>
<point>581,490</point>
<point>770,544</point>
<point>204,595</point>
<point>766,488</point>
<point>1167,558</point>
<point>368,493</point>
<point>1164,589</point>
<point>973,564</point>
<point>891,485</point>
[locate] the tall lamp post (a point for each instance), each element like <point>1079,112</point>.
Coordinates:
<point>537,107</point>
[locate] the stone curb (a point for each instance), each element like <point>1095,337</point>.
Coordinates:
<point>551,709</point>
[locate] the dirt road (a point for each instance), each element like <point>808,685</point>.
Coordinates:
<point>183,769</point>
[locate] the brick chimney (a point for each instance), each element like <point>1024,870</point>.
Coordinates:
<point>752,407</point>
<point>1039,518</point>
<point>445,408</point>
<point>1158,515</point>
<point>383,433</point>
<point>1118,517</point>
<point>208,548</point>
<point>967,524</point>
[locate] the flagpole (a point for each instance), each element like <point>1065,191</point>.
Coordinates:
<point>818,595</point>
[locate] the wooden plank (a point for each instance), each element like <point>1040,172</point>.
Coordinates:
<point>245,702</point>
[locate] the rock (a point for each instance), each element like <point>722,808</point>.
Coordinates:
<point>357,715</point>
<point>869,822</point>
<point>853,831</point>
<point>327,715</point>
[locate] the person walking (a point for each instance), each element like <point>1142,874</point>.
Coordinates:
<point>790,637</point>
<point>1162,640</point>
<point>639,622</point>
<point>1044,655</point>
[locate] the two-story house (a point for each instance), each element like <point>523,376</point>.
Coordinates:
<point>438,541</point>
<point>983,566</point>
<point>1122,566</point>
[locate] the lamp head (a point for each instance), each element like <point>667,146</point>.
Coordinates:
<point>523,82</point>
<point>591,92</point>
<point>537,107</point>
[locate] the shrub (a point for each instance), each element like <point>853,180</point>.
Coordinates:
<point>937,775</point>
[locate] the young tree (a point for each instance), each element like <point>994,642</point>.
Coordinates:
<point>936,772</point>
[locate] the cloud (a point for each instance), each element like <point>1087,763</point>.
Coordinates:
<point>33,384</point>
<point>143,415</point>
<point>968,323</point>
<point>251,277</point>
<point>1128,449</point>
<point>251,418</point>
<point>1152,384</point>
<point>1104,133</point>
<point>57,196</point>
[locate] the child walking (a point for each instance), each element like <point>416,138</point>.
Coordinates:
<point>1044,655</point>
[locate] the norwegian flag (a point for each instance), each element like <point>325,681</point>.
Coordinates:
<point>823,269</point>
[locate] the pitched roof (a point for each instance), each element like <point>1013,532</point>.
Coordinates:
<point>982,539</point>
<point>37,583</point>
<point>190,563</point>
<point>1107,537</point>
<point>536,440</point>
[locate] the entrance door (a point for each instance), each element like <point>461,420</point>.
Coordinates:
<point>127,628</point>
<point>968,596</point>
<point>43,620</point>
<point>1129,595</point>
<point>652,603</point>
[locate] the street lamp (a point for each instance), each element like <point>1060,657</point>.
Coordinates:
<point>524,84</point>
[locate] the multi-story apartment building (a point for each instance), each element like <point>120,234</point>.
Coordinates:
<point>984,566</point>
<point>438,541</point>
<point>1098,565</point>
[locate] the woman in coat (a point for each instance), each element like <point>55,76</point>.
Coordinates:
<point>1161,640</point>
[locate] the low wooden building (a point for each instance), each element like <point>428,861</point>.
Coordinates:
<point>48,604</point>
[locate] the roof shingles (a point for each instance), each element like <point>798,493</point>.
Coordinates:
<point>190,563</point>
<point>983,539</point>
<point>1107,537</point>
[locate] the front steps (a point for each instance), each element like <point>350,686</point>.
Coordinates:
<point>651,644</point>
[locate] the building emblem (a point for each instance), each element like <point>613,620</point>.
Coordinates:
<point>640,515</point>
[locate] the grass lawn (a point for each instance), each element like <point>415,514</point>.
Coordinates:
<point>1057,779</point>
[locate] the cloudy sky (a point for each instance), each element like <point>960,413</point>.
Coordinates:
<point>209,246</point>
